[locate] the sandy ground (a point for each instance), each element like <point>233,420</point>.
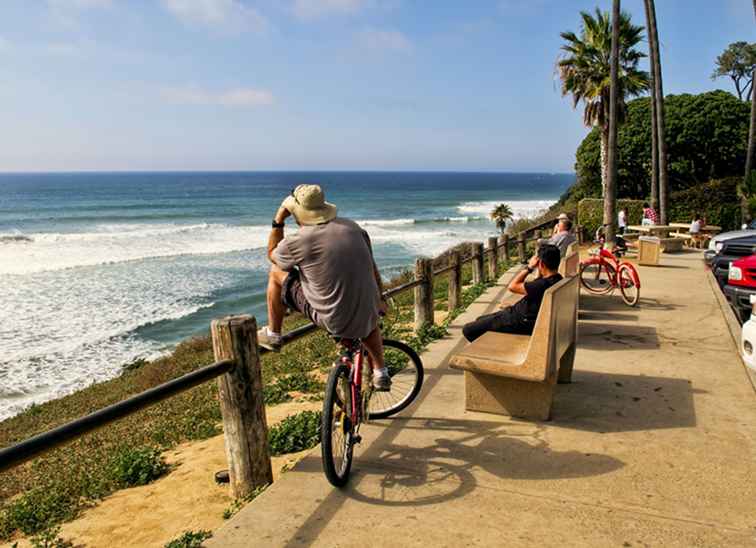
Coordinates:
<point>186,499</point>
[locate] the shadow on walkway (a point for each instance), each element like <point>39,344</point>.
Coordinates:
<point>606,402</point>
<point>446,467</point>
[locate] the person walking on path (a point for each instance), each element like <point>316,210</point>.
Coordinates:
<point>520,318</point>
<point>325,271</point>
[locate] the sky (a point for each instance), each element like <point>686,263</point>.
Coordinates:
<point>314,84</point>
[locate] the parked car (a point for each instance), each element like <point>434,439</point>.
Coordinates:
<point>727,247</point>
<point>741,285</point>
<point>748,341</point>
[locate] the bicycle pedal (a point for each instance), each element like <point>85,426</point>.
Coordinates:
<point>356,439</point>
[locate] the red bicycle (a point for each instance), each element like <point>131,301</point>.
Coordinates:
<point>604,272</point>
<point>350,400</point>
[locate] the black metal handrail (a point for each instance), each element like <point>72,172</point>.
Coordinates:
<point>27,449</point>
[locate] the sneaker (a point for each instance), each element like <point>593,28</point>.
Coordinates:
<point>268,340</point>
<point>382,383</point>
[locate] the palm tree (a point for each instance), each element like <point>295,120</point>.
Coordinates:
<point>584,70</point>
<point>658,101</point>
<point>654,130</point>
<point>610,191</point>
<point>749,179</point>
<point>500,215</point>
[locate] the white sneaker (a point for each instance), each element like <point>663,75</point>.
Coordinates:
<point>269,340</point>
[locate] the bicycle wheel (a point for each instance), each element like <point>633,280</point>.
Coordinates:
<point>597,277</point>
<point>629,289</point>
<point>406,371</point>
<point>336,428</point>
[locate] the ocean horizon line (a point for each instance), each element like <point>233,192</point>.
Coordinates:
<point>245,171</point>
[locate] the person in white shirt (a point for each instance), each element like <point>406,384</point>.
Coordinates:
<point>622,220</point>
<point>696,225</point>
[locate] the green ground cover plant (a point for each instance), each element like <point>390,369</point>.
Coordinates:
<point>137,466</point>
<point>190,539</point>
<point>295,433</point>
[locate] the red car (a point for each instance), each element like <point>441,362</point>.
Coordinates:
<point>741,284</point>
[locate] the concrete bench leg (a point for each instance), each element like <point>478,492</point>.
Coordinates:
<point>505,396</point>
<point>565,365</point>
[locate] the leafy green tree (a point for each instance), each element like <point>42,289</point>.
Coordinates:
<point>738,62</point>
<point>500,215</point>
<point>708,136</point>
<point>584,71</point>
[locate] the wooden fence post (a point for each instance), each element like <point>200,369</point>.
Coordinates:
<point>521,247</point>
<point>493,262</point>
<point>505,246</point>
<point>478,257</point>
<point>423,294</point>
<point>242,406</point>
<point>455,281</point>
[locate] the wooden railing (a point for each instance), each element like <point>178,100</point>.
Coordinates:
<point>237,366</point>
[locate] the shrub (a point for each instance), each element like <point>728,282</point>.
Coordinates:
<point>190,539</point>
<point>140,466</point>
<point>706,137</point>
<point>295,433</point>
<point>591,213</point>
<point>716,200</point>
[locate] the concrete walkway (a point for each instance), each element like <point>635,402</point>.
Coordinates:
<point>654,444</point>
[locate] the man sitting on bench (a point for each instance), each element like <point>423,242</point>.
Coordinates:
<point>520,318</point>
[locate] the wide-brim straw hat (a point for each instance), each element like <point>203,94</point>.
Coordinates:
<point>563,216</point>
<point>307,204</point>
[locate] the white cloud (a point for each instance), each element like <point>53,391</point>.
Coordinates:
<point>384,40</point>
<point>230,15</point>
<point>236,97</point>
<point>315,9</point>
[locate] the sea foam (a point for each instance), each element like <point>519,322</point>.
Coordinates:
<point>106,244</point>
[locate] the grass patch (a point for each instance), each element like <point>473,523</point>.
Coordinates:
<point>238,504</point>
<point>190,539</point>
<point>295,433</point>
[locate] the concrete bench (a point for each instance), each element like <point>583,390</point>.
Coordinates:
<point>516,374</point>
<point>670,245</point>
<point>569,265</point>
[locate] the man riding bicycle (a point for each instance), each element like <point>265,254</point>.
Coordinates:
<point>325,271</point>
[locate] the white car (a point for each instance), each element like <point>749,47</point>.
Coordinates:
<point>748,340</point>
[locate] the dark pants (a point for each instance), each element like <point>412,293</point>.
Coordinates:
<point>504,321</point>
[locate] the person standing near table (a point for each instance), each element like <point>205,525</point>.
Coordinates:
<point>649,215</point>
<point>622,220</point>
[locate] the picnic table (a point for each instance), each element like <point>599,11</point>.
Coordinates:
<point>661,231</point>
<point>705,228</point>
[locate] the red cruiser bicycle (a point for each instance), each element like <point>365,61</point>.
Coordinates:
<point>350,400</point>
<point>604,272</point>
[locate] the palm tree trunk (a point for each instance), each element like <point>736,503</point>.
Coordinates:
<point>604,159</point>
<point>749,154</point>
<point>610,196</point>
<point>653,40</point>
<point>654,129</point>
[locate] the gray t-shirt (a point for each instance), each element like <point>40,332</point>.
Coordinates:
<point>562,240</point>
<point>335,262</point>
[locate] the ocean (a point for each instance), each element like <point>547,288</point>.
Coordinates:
<point>100,269</point>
